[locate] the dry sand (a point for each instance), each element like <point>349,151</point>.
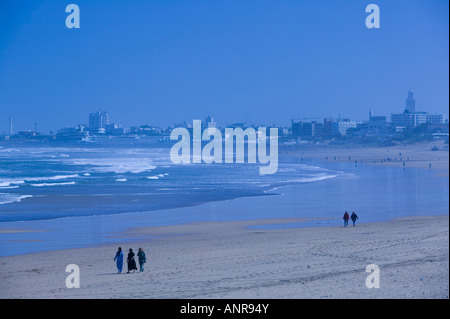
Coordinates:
<point>230,260</point>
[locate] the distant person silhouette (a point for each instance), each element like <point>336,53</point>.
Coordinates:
<point>131,262</point>
<point>345,218</point>
<point>119,259</point>
<point>354,217</point>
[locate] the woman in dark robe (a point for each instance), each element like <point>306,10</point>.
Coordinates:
<point>131,262</point>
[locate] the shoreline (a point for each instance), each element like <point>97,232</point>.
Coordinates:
<point>251,258</point>
<point>417,155</point>
<point>232,260</point>
<point>36,231</point>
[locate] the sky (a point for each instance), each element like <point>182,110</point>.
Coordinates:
<point>265,62</point>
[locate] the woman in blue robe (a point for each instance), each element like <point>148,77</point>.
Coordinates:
<point>119,259</point>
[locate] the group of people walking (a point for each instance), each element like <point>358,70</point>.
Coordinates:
<point>346,217</point>
<point>142,260</point>
<point>130,260</point>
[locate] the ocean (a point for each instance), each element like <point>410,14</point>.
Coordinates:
<point>69,195</point>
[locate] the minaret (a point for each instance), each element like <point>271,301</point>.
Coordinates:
<point>410,103</point>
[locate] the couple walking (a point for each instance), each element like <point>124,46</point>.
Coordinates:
<point>346,217</point>
<point>130,260</point>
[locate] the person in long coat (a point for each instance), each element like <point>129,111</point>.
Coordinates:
<point>131,262</point>
<point>119,259</point>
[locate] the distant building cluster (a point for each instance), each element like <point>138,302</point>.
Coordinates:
<point>410,119</point>
<point>305,129</point>
<point>99,125</point>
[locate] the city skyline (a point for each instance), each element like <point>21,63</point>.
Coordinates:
<point>259,61</point>
<point>99,121</point>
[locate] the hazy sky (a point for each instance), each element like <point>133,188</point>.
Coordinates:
<point>162,62</point>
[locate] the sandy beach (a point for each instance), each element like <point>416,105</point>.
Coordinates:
<point>419,155</point>
<point>245,259</point>
<point>233,260</point>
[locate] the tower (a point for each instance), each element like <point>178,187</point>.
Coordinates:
<point>410,103</point>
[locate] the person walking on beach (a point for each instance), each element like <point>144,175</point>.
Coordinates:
<point>141,259</point>
<point>345,218</point>
<point>354,217</point>
<point>131,262</point>
<point>119,260</point>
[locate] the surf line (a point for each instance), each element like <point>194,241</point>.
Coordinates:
<point>213,150</point>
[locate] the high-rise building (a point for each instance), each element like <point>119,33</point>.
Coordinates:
<point>334,127</point>
<point>98,121</point>
<point>410,106</point>
<point>297,128</point>
<point>306,129</point>
<point>344,125</point>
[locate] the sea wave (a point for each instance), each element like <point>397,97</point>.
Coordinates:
<point>6,198</point>
<point>310,179</point>
<point>157,176</point>
<point>50,178</point>
<point>53,184</point>
<point>10,182</point>
<point>14,183</point>
<point>116,165</point>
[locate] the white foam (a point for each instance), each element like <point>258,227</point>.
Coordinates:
<point>53,184</point>
<point>118,165</point>
<point>10,182</point>
<point>121,180</point>
<point>50,178</point>
<point>313,178</point>
<point>11,198</point>
<point>157,176</point>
